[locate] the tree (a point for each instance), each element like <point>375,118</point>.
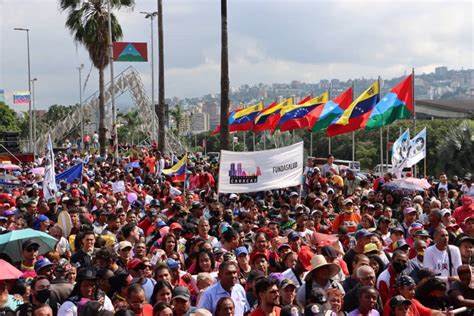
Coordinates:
<point>177,116</point>
<point>225,102</point>
<point>9,121</point>
<point>88,22</point>
<point>161,82</point>
<point>129,127</point>
<point>455,150</point>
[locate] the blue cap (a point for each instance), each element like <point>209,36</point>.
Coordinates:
<point>293,235</point>
<point>137,204</point>
<point>172,264</point>
<point>42,263</point>
<point>241,250</point>
<point>160,224</point>
<point>362,233</point>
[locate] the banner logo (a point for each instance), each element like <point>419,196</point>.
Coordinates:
<point>238,175</point>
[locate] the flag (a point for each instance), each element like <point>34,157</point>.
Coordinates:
<point>177,173</point>
<point>269,117</point>
<point>127,51</point>
<point>322,116</point>
<point>218,127</point>
<point>21,97</point>
<point>49,181</point>
<point>2,95</point>
<point>356,115</point>
<point>71,174</point>
<point>243,120</point>
<point>397,104</point>
<point>287,106</point>
<point>294,116</point>
<point>400,151</point>
<point>417,150</point>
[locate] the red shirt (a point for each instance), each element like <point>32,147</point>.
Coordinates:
<point>259,312</point>
<point>147,310</point>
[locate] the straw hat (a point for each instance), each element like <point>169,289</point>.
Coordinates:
<point>317,262</point>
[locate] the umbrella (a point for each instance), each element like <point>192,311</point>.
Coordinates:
<point>9,272</point>
<point>10,243</point>
<point>9,166</point>
<point>409,183</point>
<point>8,177</point>
<point>133,164</point>
<point>38,171</point>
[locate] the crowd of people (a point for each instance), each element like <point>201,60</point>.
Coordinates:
<point>341,243</point>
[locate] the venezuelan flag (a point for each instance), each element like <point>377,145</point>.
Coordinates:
<point>357,114</point>
<point>177,173</point>
<point>322,116</point>
<point>263,121</point>
<point>243,120</point>
<point>294,116</point>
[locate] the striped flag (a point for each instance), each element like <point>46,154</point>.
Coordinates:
<point>49,181</point>
<point>21,97</point>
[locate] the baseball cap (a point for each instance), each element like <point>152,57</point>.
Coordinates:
<point>255,275</point>
<point>287,282</point>
<point>134,264</point>
<point>176,226</point>
<point>445,211</point>
<point>42,263</point>
<point>404,280</point>
<point>197,204</point>
<point>400,244</point>
<point>233,196</point>
<point>255,255</point>
<point>241,250</point>
<point>304,256</point>
<point>329,251</point>
<point>172,264</point>
<point>397,229</point>
<point>422,232</point>
<point>347,201</point>
<point>293,235</point>
<point>28,243</point>
<point>370,247</point>
<point>363,233</point>
<point>398,300</point>
<point>283,246</point>
<point>294,193</point>
<point>86,274</point>
<point>464,238</point>
<point>137,204</point>
<point>52,201</point>
<point>181,292</point>
<point>160,223</point>
<point>125,244</point>
<point>409,210</point>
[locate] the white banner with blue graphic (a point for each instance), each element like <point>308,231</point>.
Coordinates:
<point>417,149</point>
<point>400,151</point>
<point>242,172</point>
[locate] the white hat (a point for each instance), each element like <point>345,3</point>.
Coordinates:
<point>318,261</point>
<point>445,211</point>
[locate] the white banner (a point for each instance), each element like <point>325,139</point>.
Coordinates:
<point>400,150</point>
<point>49,181</point>
<point>417,149</point>
<point>241,172</point>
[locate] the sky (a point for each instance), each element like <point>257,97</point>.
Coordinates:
<point>270,41</point>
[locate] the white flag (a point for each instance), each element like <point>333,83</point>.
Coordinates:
<point>49,181</point>
<point>400,151</point>
<point>417,149</point>
<point>241,172</point>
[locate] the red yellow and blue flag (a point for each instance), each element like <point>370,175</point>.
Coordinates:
<point>21,97</point>
<point>243,120</point>
<point>357,114</point>
<point>294,115</point>
<point>177,173</point>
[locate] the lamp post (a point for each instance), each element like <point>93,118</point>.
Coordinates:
<point>151,16</point>
<point>80,102</point>
<point>34,113</point>
<point>30,120</point>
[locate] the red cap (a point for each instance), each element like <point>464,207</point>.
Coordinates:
<point>255,255</point>
<point>305,256</point>
<point>75,193</point>
<point>176,226</point>
<point>134,263</point>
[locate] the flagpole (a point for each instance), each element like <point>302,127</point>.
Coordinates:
<point>388,140</point>
<point>311,144</point>
<point>329,137</point>
<point>414,110</point>
<point>353,133</point>
<point>381,134</point>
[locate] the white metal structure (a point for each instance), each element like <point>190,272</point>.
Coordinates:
<point>127,81</point>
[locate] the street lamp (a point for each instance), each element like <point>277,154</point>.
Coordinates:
<point>30,144</point>
<point>151,16</point>
<point>80,102</point>
<point>34,113</point>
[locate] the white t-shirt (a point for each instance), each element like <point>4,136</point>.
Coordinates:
<point>468,191</point>
<point>68,308</point>
<point>438,261</point>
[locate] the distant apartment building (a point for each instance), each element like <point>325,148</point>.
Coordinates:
<point>200,122</point>
<point>441,71</point>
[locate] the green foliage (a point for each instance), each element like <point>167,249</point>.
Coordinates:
<point>9,121</point>
<point>128,128</point>
<point>449,143</point>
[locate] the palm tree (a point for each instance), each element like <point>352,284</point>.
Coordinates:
<point>224,122</point>
<point>161,82</point>
<point>456,149</point>
<point>88,22</point>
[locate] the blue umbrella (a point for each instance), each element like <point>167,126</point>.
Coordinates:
<point>11,243</point>
<point>133,164</point>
